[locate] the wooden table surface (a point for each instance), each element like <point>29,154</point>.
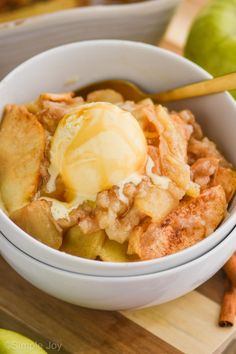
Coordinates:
<point>186,325</point>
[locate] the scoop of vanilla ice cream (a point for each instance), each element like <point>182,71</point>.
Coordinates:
<point>96,146</point>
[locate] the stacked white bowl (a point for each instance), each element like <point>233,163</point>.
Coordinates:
<point>144,21</point>
<point>105,285</point>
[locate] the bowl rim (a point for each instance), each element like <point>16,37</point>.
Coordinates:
<point>121,265</point>
<point>119,279</point>
<point>73,13</point>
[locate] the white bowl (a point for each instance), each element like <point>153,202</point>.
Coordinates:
<point>152,68</point>
<point>119,293</point>
<point>145,22</point>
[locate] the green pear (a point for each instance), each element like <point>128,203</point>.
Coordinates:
<point>14,343</point>
<point>211,42</point>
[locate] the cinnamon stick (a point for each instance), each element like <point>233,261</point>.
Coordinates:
<point>228,308</point>
<point>230,269</point>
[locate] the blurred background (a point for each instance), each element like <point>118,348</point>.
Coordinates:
<point>202,30</point>
<point>42,24</point>
<point>14,9</point>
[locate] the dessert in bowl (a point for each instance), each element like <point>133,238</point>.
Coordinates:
<point>109,179</point>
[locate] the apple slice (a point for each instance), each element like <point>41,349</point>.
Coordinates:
<point>22,143</point>
<point>36,219</point>
<point>113,251</point>
<point>157,203</point>
<point>83,245</point>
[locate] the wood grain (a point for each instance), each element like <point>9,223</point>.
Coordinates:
<point>79,330</point>
<point>10,322</point>
<point>214,289</point>
<point>190,323</point>
<point>186,325</point>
